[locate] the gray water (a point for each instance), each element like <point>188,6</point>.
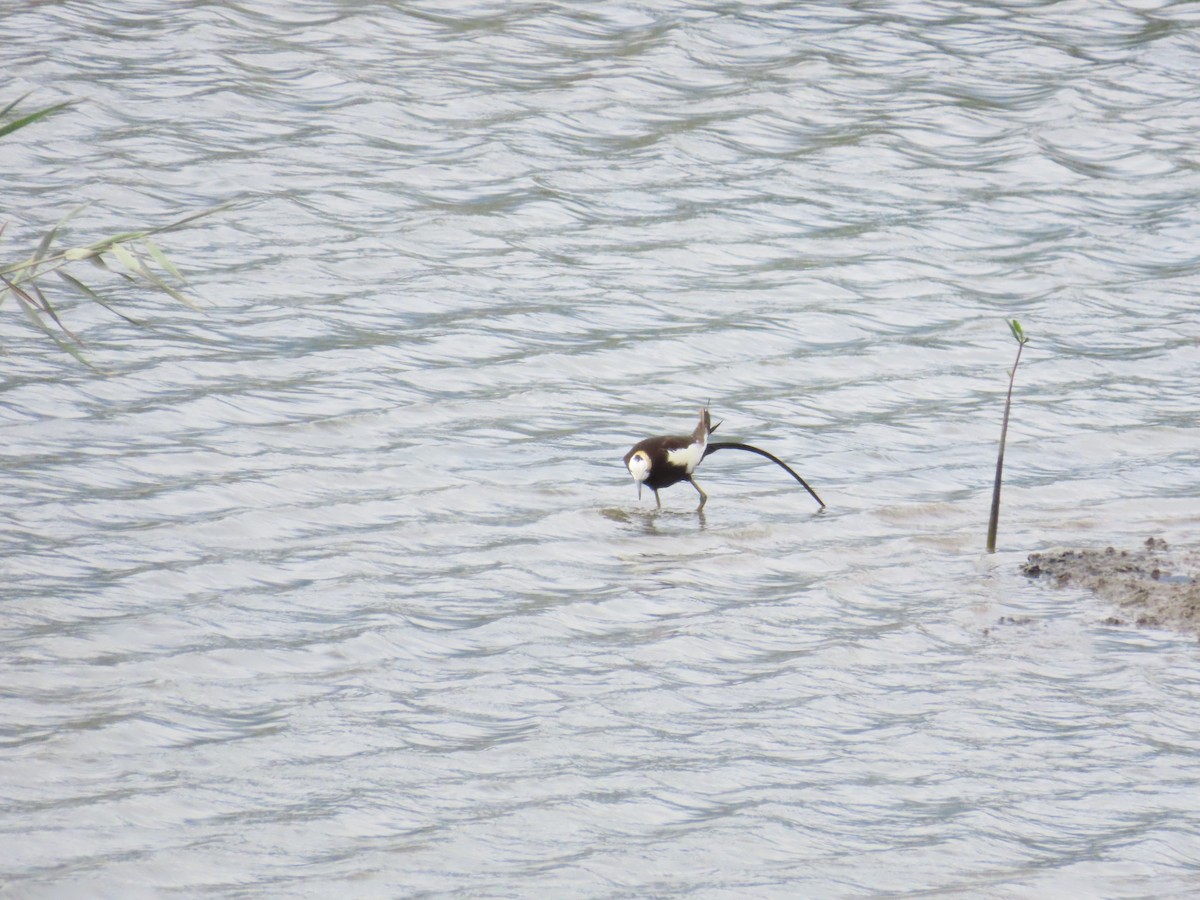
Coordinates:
<point>339,584</point>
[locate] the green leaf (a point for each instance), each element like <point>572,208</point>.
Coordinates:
<point>161,258</point>
<point>179,223</point>
<point>32,312</point>
<point>31,118</point>
<point>111,241</point>
<point>135,265</point>
<point>17,268</point>
<point>166,288</point>
<point>35,302</point>
<point>45,244</point>
<point>70,348</point>
<point>13,105</point>
<point>42,303</point>
<point>1017,331</point>
<point>92,295</point>
<point>28,304</point>
<point>98,261</point>
<point>128,260</point>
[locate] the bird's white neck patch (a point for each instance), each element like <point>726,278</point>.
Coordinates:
<point>689,457</point>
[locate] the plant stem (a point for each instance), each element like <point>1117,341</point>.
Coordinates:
<point>994,520</point>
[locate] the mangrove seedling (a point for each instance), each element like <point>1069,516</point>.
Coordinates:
<point>994,520</point>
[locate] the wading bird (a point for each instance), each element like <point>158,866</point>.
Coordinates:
<point>660,462</point>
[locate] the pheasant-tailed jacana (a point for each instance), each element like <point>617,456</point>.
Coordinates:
<point>660,462</point>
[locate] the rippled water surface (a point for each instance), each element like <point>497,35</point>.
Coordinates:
<point>339,584</point>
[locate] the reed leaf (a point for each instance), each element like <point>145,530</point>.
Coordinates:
<point>133,250</point>
<point>32,117</point>
<point>161,258</point>
<point>28,304</point>
<point>82,288</point>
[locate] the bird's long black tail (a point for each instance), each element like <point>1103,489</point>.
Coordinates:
<point>713,447</point>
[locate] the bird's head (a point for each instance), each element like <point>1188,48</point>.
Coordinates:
<point>639,467</point>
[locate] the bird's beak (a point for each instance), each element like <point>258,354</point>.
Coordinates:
<point>639,484</point>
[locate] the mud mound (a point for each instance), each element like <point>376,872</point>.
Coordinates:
<point>1152,586</point>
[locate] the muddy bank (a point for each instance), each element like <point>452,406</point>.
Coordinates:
<point>1152,586</point>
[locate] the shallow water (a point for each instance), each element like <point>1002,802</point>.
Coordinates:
<point>339,583</point>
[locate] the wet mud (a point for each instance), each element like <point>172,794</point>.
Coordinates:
<point>1152,586</point>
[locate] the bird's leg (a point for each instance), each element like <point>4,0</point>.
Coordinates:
<point>700,490</point>
<point>657,499</point>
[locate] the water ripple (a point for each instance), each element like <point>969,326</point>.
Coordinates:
<point>341,578</point>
